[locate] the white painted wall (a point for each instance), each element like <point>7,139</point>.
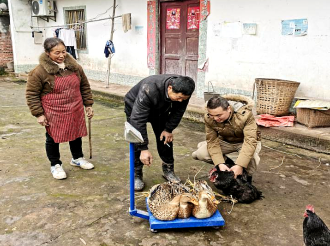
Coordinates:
<point>24,49</point>
<point>233,62</point>
<point>131,47</point>
<point>236,62</point>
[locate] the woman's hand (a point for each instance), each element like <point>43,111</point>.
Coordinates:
<point>42,120</point>
<point>89,112</point>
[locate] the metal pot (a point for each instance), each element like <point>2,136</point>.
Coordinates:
<point>209,94</point>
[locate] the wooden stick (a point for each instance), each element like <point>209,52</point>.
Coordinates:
<point>90,137</point>
<point>111,38</point>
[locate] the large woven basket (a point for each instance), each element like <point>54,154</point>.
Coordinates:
<point>274,96</point>
<point>313,117</point>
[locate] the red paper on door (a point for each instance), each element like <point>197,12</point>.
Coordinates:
<point>151,35</point>
<point>193,18</point>
<point>173,18</point>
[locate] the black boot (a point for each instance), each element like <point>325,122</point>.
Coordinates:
<point>168,170</point>
<point>138,179</point>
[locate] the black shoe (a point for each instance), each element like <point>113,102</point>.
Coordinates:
<point>168,173</point>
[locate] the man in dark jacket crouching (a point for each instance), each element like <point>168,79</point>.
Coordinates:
<point>162,101</point>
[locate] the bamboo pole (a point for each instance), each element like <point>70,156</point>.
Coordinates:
<point>111,38</point>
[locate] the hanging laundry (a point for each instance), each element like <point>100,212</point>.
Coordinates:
<point>57,31</point>
<point>69,38</point>
<point>71,50</point>
<point>109,48</point>
<point>126,22</point>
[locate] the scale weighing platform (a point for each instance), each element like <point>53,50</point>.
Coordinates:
<point>133,136</point>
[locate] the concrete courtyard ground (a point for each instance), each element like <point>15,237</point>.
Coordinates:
<point>91,207</point>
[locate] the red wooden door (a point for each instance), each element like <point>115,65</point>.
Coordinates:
<point>179,37</point>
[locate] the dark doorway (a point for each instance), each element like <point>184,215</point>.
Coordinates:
<point>179,30</point>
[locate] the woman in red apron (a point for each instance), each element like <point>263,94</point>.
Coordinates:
<point>57,91</point>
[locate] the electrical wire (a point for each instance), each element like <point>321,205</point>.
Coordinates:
<point>80,23</point>
<point>103,13</point>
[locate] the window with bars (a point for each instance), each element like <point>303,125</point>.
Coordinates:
<point>73,17</point>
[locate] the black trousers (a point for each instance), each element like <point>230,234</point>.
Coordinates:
<point>165,152</point>
<point>53,150</point>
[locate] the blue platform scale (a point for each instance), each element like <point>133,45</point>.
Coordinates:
<point>133,136</point>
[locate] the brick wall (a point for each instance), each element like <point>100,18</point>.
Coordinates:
<point>6,49</point>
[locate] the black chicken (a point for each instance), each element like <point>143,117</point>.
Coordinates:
<point>316,233</point>
<point>239,188</point>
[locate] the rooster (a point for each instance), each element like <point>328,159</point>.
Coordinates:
<point>316,233</point>
<point>239,188</point>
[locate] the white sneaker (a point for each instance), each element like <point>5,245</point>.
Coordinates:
<point>81,162</point>
<point>58,172</point>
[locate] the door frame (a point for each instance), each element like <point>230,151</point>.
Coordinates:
<point>182,59</point>
<point>200,83</point>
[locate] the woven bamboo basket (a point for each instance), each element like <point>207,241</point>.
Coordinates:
<point>274,96</point>
<point>313,117</point>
